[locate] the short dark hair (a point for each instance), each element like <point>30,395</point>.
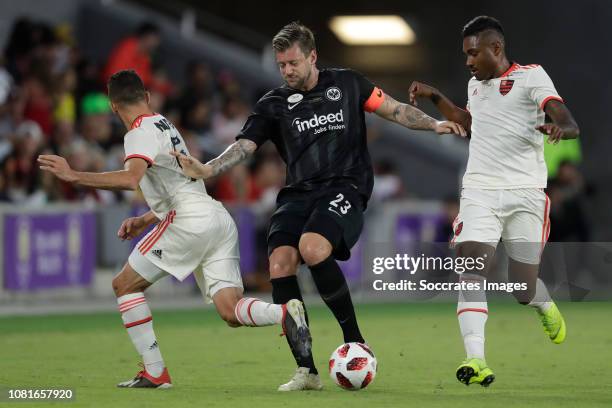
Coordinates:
<point>482,23</point>
<point>147,28</point>
<point>125,87</point>
<point>294,32</point>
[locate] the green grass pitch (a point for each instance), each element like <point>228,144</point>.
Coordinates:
<point>417,345</point>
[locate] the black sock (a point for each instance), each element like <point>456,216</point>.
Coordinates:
<point>283,290</point>
<point>286,288</point>
<point>334,291</point>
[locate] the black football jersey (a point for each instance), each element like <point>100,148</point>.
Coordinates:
<point>321,133</point>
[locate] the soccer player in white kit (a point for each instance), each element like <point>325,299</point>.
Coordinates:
<point>503,187</point>
<point>194,233</point>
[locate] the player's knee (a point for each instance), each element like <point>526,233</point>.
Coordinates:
<point>283,262</point>
<point>118,286</point>
<point>314,250</point>
<point>123,285</point>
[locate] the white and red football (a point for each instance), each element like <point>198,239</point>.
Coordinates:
<point>352,366</point>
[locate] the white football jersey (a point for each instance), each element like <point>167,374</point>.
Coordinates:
<point>506,151</point>
<point>163,185</point>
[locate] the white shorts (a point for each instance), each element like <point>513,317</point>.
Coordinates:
<point>520,217</point>
<point>190,240</point>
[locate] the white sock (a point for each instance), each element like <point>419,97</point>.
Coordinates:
<point>254,312</point>
<point>542,300</point>
<point>472,313</point>
<point>138,321</point>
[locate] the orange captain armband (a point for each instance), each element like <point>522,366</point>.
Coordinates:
<point>375,100</point>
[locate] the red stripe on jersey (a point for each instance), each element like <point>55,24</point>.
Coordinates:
<point>151,234</point>
<point>153,238</point>
<point>545,225</point>
<point>136,123</point>
<point>513,67</point>
<point>550,98</point>
<point>139,156</point>
<point>170,218</point>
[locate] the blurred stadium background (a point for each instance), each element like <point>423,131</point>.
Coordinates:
<point>206,64</point>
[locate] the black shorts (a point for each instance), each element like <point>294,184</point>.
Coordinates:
<point>336,214</point>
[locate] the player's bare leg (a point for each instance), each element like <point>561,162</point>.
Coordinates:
<point>284,262</point>
<point>537,296</point>
<point>246,311</point>
<point>472,313</point>
<point>136,315</point>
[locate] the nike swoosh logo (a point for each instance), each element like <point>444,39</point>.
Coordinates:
<point>294,105</point>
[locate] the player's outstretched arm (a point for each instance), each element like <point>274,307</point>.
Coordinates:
<point>234,154</point>
<point>126,179</point>
<point>563,127</point>
<point>414,118</point>
<point>444,105</point>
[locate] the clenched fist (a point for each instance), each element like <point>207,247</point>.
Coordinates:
<point>131,228</point>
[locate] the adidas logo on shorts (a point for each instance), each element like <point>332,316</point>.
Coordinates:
<point>157,253</point>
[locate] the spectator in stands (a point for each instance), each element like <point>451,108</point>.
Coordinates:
<point>79,156</point>
<point>199,84</point>
<point>64,134</point>
<point>195,104</point>
<point>88,80</point>
<point>28,40</point>
<point>567,194</point>
<point>228,122</point>
<point>135,52</point>
<point>96,129</point>
<point>196,117</point>
<point>237,186</point>
<point>228,84</point>
<point>35,101</point>
<point>65,103</point>
<point>7,124</point>
<point>20,169</point>
<point>161,89</point>
<point>4,198</point>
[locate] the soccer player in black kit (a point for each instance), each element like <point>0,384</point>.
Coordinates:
<point>316,121</point>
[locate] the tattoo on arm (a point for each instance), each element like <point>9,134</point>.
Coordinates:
<point>412,118</point>
<point>233,155</point>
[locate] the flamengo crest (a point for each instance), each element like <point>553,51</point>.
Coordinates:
<point>505,86</point>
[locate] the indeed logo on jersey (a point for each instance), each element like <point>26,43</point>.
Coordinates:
<point>321,123</point>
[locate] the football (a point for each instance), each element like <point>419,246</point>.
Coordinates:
<point>352,366</point>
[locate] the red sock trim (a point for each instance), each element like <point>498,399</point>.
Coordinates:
<point>125,306</point>
<point>138,322</point>
<point>485,311</point>
<point>237,311</point>
<point>249,311</point>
